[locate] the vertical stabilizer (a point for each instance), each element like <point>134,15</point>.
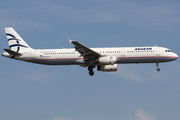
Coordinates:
<point>16,43</point>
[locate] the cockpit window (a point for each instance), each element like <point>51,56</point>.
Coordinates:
<point>167,51</point>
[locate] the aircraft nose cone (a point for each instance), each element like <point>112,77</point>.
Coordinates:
<point>175,56</point>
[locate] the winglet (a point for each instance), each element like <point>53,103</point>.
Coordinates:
<point>70,41</point>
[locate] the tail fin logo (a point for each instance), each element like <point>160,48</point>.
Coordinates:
<point>17,41</point>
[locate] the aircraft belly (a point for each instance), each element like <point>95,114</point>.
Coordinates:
<point>144,59</point>
<point>55,62</point>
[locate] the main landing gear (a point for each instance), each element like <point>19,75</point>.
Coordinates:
<point>91,72</point>
<point>157,65</point>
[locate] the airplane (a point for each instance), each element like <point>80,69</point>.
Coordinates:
<point>105,59</point>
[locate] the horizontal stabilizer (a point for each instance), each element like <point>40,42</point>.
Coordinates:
<point>11,52</point>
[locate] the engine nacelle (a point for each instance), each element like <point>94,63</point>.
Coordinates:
<point>107,60</point>
<point>107,68</point>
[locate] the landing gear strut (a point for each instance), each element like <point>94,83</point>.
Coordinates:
<point>157,65</point>
<point>91,72</point>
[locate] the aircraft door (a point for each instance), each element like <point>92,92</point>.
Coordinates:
<point>158,52</point>
<point>123,53</point>
<point>32,56</point>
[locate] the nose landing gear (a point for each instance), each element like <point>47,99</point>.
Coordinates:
<point>157,65</point>
<point>158,69</point>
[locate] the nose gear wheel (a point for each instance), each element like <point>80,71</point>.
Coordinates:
<point>157,65</point>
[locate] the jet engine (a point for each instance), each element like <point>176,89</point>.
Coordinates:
<point>107,60</point>
<point>107,68</point>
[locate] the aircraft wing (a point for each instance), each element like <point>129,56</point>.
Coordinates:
<point>86,52</point>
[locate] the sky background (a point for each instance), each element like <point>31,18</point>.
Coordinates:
<point>135,92</point>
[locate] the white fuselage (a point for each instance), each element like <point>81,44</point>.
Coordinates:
<point>123,55</point>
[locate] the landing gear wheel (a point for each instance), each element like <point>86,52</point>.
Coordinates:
<point>90,68</point>
<point>157,65</point>
<point>91,73</point>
